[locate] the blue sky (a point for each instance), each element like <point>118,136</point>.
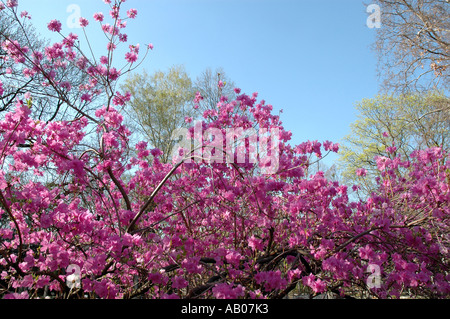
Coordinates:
<point>310,58</point>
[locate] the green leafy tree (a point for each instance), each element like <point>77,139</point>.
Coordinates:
<point>413,121</point>
<point>159,105</point>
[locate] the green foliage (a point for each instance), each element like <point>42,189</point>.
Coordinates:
<point>160,102</point>
<point>414,121</point>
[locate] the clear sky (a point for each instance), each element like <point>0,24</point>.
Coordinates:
<point>311,58</point>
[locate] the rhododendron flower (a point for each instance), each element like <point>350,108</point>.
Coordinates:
<point>141,145</point>
<point>120,99</point>
<point>123,37</point>
<point>179,282</point>
<point>317,285</point>
<point>1,88</point>
<point>382,162</point>
<point>391,149</point>
<point>156,152</point>
<point>86,97</point>
<point>121,24</point>
<point>15,295</point>
<point>69,41</point>
<point>25,14</point>
<point>361,172</point>
<point>132,13</point>
<point>271,280</point>
<point>198,97</point>
<point>11,3</point>
<point>255,243</point>
<point>150,46</point>
<point>134,48</point>
<point>131,57</point>
<point>228,291</point>
<point>66,85</point>
<point>98,16</point>
<point>114,12</point>
<point>111,46</point>
<point>103,60</point>
<point>54,26</point>
<point>84,22</point>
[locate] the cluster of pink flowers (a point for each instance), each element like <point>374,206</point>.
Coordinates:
<point>54,25</point>
<point>135,226</point>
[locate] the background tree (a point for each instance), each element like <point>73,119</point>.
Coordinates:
<point>409,120</point>
<point>55,99</point>
<point>162,102</point>
<point>207,83</point>
<point>159,105</point>
<point>413,44</point>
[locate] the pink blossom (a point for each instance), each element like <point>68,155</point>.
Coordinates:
<point>317,285</point>
<point>84,22</point>
<point>103,59</point>
<point>255,243</point>
<point>12,3</point>
<point>114,12</point>
<point>132,13</point>
<point>25,14</point>
<point>123,37</point>
<point>22,295</point>
<point>227,291</point>
<point>111,46</point>
<point>98,16</point>
<point>382,162</point>
<point>271,280</point>
<point>69,41</point>
<point>198,97</point>
<point>54,26</point>
<point>156,152</point>
<point>179,282</point>
<point>86,97</point>
<point>361,172</point>
<point>391,149</point>
<point>131,57</point>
